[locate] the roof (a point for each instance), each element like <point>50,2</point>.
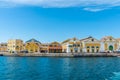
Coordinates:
<point>108,38</point>
<point>118,39</point>
<point>33,40</point>
<point>55,42</point>
<point>86,38</point>
<point>74,39</point>
<point>15,40</point>
<point>66,41</point>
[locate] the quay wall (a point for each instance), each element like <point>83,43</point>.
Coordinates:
<point>61,54</point>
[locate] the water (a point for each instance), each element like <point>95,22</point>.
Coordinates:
<point>44,68</point>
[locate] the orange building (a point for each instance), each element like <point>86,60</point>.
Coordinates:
<point>55,47</point>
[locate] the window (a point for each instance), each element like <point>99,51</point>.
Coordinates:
<point>36,43</point>
<point>50,45</point>
<point>70,46</point>
<point>92,39</point>
<point>110,39</point>
<point>74,45</point>
<point>88,51</point>
<point>17,46</point>
<point>97,47</point>
<point>97,51</point>
<point>88,47</point>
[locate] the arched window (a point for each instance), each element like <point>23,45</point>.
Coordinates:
<point>88,47</point>
<point>97,47</point>
<point>92,39</point>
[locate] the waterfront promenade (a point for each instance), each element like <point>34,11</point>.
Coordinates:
<point>61,54</point>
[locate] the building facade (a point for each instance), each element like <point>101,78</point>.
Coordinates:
<point>54,47</point>
<point>15,45</point>
<point>32,46</point>
<point>71,46</point>
<point>44,48</point>
<point>90,45</point>
<point>109,43</point>
<point>118,44</point>
<point>3,47</point>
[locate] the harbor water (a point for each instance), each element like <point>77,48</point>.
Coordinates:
<point>52,68</point>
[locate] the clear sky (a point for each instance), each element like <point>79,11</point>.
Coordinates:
<point>58,21</point>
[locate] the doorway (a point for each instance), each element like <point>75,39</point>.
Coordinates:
<point>111,48</point>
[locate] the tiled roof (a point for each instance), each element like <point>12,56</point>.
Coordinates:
<point>32,40</point>
<point>55,42</point>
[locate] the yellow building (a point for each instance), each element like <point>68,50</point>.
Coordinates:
<point>90,45</point>
<point>44,48</point>
<point>71,45</point>
<point>32,46</point>
<point>3,47</point>
<point>15,45</point>
<point>108,43</point>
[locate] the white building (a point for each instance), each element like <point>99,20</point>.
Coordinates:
<point>118,44</point>
<point>109,43</point>
<point>71,45</point>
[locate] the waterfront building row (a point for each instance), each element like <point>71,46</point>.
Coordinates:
<point>91,45</point>
<point>73,45</point>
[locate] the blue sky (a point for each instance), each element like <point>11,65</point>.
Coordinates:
<point>57,20</point>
